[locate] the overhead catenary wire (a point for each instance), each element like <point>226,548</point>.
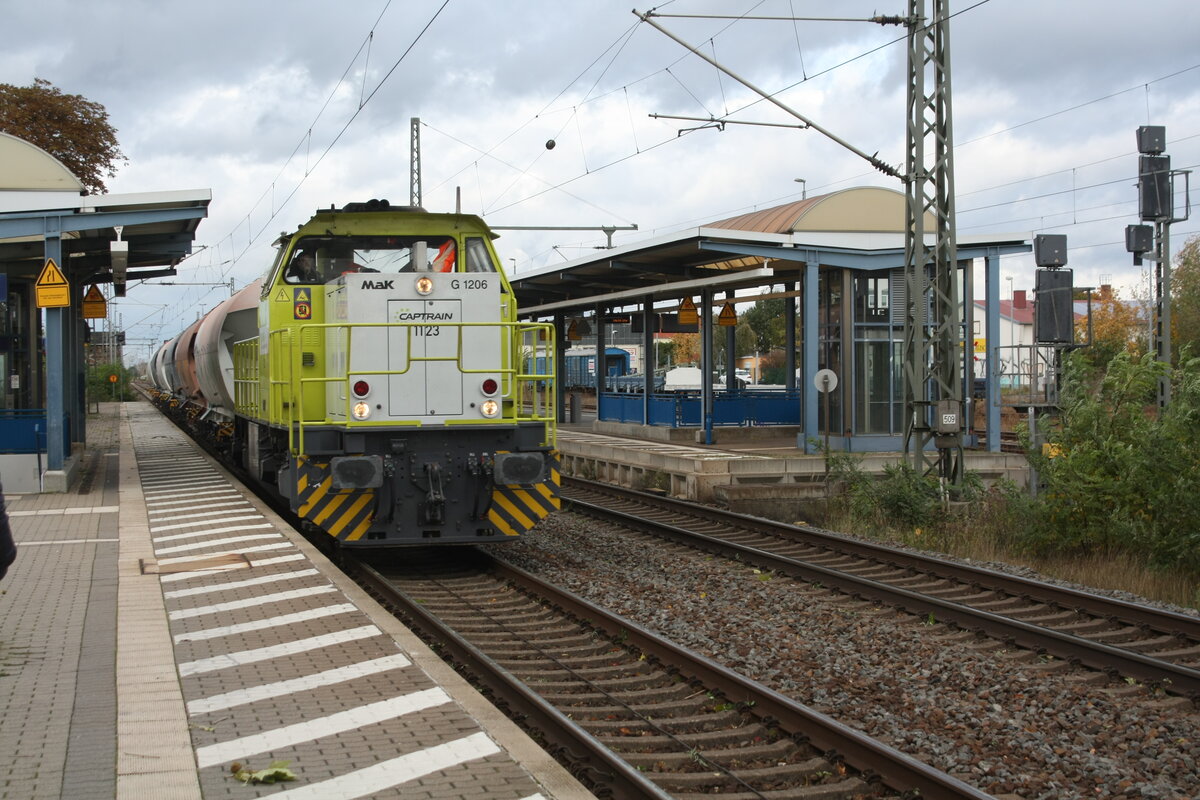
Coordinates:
<point>613,52</point>
<point>253,236</point>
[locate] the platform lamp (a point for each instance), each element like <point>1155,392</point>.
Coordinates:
<point>120,263</point>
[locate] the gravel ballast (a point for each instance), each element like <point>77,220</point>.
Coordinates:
<point>1004,721</point>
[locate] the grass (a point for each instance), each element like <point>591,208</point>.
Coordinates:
<point>979,538</point>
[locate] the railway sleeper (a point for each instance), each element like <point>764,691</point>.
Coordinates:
<point>1123,636</point>
<point>852,789</point>
<point>1183,655</point>
<point>743,738</point>
<point>539,662</point>
<point>475,620</point>
<point>1154,646</point>
<point>1085,627</point>
<point>716,720</point>
<point>480,633</point>
<point>665,711</point>
<point>742,759</point>
<point>530,673</point>
<point>592,701</point>
<point>575,652</point>
<point>631,683</point>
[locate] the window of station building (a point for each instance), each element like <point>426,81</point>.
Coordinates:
<point>871,299</point>
<point>479,258</point>
<point>878,393</point>
<point>830,313</point>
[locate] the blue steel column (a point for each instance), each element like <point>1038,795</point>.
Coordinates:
<point>601,358</point>
<point>706,341</point>
<point>560,366</point>
<point>808,392</point>
<point>991,276</point>
<point>730,347</point>
<point>789,337</point>
<point>75,369</point>
<point>55,361</point>
<point>649,360</point>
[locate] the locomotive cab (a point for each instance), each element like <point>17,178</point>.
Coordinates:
<point>384,394</point>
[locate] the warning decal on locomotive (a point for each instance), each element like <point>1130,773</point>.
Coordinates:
<point>516,509</point>
<point>302,303</point>
<point>344,513</point>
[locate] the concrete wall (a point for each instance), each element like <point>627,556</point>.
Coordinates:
<point>19,473</point>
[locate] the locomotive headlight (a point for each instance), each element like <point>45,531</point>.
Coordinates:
<point>424,285</point>
<point>361,410</point>
<point>489,408</point>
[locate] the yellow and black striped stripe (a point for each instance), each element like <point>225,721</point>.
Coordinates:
<point>517,508</point>
<point>345,514</point>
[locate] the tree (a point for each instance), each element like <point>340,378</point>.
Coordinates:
<point>744,341</point>
<point>1185,297</point>
<point>766,318</point>
<point>1115,329</point>
<point>69,127</point>
<point>685,348</point>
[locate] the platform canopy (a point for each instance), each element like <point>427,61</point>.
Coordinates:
<point>45,217</point>
<point>859,228</point>
<point>39,197</point>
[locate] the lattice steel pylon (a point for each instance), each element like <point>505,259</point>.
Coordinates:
<point>933,336</point>
<point>414,158</point>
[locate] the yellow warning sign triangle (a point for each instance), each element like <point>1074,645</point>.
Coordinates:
<point>727,317</point>
<point>94,304</point>
<point>687,312</point>
<point>51,275</point>
<point>52,289</point>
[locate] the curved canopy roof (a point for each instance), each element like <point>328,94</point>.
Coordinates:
<point>27,167</point>
<point>861,228</point>
<point>867,209</point>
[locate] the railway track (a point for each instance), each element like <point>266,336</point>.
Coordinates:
<point>1123,639</point>
<point>632,713</point>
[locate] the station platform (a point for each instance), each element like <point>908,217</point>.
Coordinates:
<point>754,470</point>
<point>161,625</point>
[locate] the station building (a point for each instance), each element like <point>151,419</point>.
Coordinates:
<point>839,260</point>
<point>59,245</point>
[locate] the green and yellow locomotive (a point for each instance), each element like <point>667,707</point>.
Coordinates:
<point>385,394</point>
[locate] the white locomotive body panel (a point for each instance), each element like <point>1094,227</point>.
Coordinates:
<point>426,358</point>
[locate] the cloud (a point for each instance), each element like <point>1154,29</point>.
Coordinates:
<point>283,109</point>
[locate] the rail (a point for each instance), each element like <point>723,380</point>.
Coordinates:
<point>619,778</point>
<point>724,533</point>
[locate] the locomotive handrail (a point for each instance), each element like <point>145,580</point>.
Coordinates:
<point>514,380</point>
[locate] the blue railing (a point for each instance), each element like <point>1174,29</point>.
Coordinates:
<point>683,409</point>
<point>23,430</point>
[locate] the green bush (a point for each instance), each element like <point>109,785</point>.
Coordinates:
<point>900,498</point>
<point>1125,476</point>
<point>101,388</point>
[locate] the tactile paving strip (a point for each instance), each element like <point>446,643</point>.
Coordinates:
<point>276,664</point>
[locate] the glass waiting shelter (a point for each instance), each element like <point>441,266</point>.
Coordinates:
<point>836,259</point>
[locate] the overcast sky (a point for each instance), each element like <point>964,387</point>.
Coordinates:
<point>283,108</point>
